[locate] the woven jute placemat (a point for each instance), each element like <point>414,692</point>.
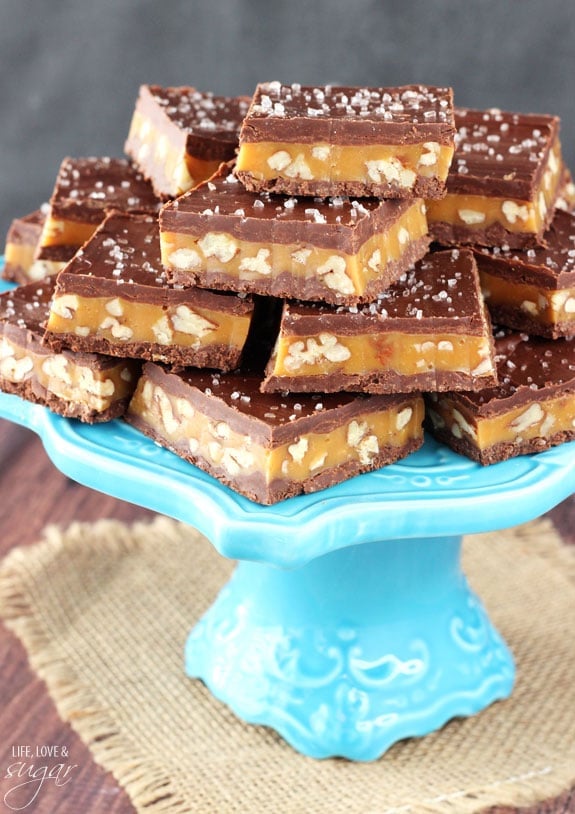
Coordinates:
<point>104,610</point>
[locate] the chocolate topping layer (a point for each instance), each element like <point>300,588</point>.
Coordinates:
<point>211,123</point>
<point>349,115</point>
<point>551,266</point>
<point>27,306</point>
<point>500,154</point>
<point>526,366</point>
<point>28,226</point>
<point>222,204</point>
<point>86,187</point>
<point>442,289</point>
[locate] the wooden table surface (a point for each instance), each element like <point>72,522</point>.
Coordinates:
<point>35,494</point>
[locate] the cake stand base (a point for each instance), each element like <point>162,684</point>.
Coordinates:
<point>354,651</point>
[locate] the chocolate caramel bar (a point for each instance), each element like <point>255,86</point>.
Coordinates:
<point>503,182</point>
<point>429,331</point>
<point>532,408</point>
<point>382,142</point>
<point>269,448</point>
<point>533,290</point>
<point>86,386</point>
<point>22,242</point>
<point>113,297</point>
<point>85,190</point>
<point>335,250</point>
<point>179,135</point>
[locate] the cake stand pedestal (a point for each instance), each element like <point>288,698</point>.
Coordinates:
<point>348,623</point>
<point>354,651</point>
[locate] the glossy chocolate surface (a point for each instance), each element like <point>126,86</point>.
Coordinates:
<point>528,368</point>
<point>28,228</point>
<point>27,306</point>
<point>222,204</point>
<point>440,293</point>
<point>500,154</point>
<point>86,187</point>
<point>349,115</point>
<point>551,266</point>
<point>211,123</point>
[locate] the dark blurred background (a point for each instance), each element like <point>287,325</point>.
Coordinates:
<point>70,69</point>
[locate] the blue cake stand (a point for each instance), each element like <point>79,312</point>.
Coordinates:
<point>348,623</point>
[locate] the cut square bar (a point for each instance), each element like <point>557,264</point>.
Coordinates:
<point>179,136</point>
<point>22,242</point>
<point>270,448</point>
<point>86,386</point>
<point>85,190</point>
<point>429,331</point>
<point>533,290</point>
<point>335,250</point>
<point>532,409</point>
<point>113,298</point>
<point>381,142</point>
<point>503,182</point>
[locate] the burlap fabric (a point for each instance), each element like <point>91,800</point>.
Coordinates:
<point>104,610</point>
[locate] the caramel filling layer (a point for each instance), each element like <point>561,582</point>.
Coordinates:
<point>35,269</point>
<point>515,215</point>
<point>120,320</point>
<point>237,455</point>
<point>340,273</point>
<point>66,379</point>
<point>63,232</point>
<point>548,307</point>
<point>535,420</point>
<point>404,354</point>
<point>396,164</point>
<point>179,170</point>
<point>20,255</point>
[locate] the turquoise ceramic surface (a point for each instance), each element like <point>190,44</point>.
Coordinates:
<point>354,651</point>
<point>348,624</point>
